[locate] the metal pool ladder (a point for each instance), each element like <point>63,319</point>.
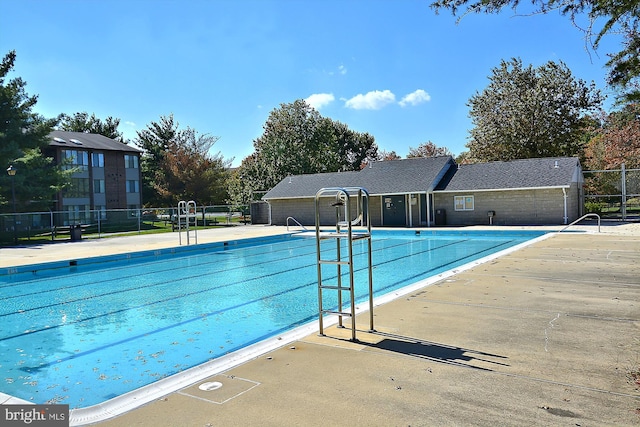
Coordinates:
<point>347,230</point>
<point>186,213</point>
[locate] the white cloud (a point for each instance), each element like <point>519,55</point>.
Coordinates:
<point>373,100</point>
<point>319,100</point>
<point>342,70</point>
<point>128,123</point>
<point>415,98</point>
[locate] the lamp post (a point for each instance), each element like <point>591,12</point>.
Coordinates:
<point>12,173</point>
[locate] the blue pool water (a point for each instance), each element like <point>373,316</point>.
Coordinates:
<point>85,331</point>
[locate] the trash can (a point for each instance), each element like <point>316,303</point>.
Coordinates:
<point>441,217</point>
<point>76,233</point>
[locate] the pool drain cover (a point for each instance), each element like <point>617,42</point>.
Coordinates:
<point>210,386</point>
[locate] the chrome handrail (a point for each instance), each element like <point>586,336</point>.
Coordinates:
<point>580,219</point>
<point>296,221</point>
<point>343,204</point>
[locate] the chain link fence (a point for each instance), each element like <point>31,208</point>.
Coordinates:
<point>613,194</point>
<point>94,224</point>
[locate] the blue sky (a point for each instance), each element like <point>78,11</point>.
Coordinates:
<point>393,69</point>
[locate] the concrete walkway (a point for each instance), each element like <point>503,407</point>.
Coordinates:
<point>36,254</point>
<point>547,335</point>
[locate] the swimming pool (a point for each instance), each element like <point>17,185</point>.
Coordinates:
<point>84,331</point>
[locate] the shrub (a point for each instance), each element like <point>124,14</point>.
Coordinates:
<point>594,207</point>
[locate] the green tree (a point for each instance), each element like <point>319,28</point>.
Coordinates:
<point>604,17</point>
<point>82,122</point>
<point>23,136</point>
<point>245,182</point>
<point>155,141</point>
<point>177,165</point>
<point>428,149</point>
<point>298,140</point>
<point>530,112</point>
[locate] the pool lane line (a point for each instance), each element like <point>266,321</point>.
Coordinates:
<point>179,324</point>
<point>183,295</point>
<point>157,283</point>
<point>175,297</point>
<point>244,304</point>
<point>265,336</point>
<point>150,392</point>
<point>149,260</point>
<point>116,279</point>
<point>441,266</point>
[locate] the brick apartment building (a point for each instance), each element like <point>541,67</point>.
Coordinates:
<point>108,175</point>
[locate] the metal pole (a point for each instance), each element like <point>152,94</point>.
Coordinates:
<point>350,248</point>
<point>319,268</point>
<point>51,226</point>
<point>623,205</point>
<point>339,259</point>
<point>15,215</point>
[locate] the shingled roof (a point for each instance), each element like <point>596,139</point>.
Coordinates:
<point>416,175</point>
<point>516,174</point>
<point>89,141</point>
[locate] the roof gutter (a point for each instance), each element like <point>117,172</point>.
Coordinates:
<point>371,195</point>
<point>556,187</point>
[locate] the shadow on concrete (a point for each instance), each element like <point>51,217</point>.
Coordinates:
<point>436,352</point>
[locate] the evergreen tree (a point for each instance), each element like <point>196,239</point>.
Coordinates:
<point>155,141</point>
<point>82,122</point>
<point>23,135</point>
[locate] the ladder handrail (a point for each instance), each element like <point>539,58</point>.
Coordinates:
<point>343,201</point>
<point>297,222</point>
<point>580,219</point>
<point>344,194</point>
<point>184,212</point>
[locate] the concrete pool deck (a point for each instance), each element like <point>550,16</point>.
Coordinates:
<point>545,335</point>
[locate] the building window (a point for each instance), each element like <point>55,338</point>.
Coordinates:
<point>98,186</point>
<point>75,159</point>
<point>130,162</point>
<point>97,160</point>
<point>133,186</point>
<point>463,203</point>
<point>79,187</point>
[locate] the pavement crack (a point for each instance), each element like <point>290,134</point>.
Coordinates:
<point>546,332</point>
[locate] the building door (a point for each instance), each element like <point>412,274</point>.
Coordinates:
<point>394,212</point>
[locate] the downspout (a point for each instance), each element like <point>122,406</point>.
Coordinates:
<point>566,218</point>
<point>410,213</point>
